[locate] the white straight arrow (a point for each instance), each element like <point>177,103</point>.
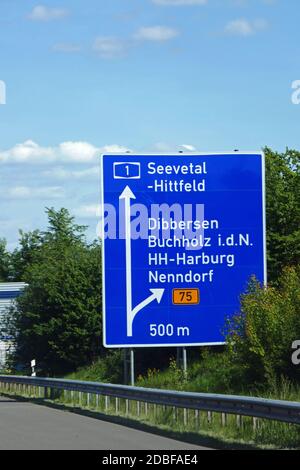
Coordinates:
<point>127,194</point>
<point>157,294</point>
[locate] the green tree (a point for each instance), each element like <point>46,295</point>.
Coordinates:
<point>62,228</point>
<point>58,319</point>
<point>22,257</point>
<point>282,210</point>
<point>4,261</point>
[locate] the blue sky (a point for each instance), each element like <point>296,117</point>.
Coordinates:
<point>146,75</point>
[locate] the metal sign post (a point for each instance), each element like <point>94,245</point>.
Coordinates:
<point>132,367</point>
<point>129,369</point>
<point>182,360</point>
<point>182,235</point>
<point>125,367</point>
<point>184,354</point>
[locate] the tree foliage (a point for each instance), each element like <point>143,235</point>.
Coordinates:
<point>282,210</point>
<point>58,319</point>
<point>4,262</point>
<point>23,256</point>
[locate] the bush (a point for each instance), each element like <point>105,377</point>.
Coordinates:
<point>108,368</point>
<point>260,337</point>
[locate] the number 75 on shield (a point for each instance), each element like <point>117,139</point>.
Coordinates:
<point>127,170</point>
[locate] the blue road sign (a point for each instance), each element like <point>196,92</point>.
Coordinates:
<point>183,234</point>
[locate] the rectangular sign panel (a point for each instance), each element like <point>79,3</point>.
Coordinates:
<point>182,235</point>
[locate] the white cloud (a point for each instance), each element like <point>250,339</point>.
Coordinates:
<point>26,192</point>
<point>109,47</point>
<point>156,33</point>
<point>243,27</point>
<point>88,211</point>
<point>239,27</point>
<point>78,152</point>
<point>44,13</point>
<point>65,174</point>
<point>29,151</point>
<point>188,147</point>
<point>179,2</point>
<point>114,149</point>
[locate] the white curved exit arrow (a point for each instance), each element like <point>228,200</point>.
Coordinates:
<point>157,294</point>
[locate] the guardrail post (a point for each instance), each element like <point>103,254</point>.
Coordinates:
<point>185,417</point>
<point>155,411</point>
<point>117,405</point>
<point>174,413</point>
<point>224,419</point>
<point>196,418</point>
<point>209,417</point>
<point>254,423</point>
<point>106,402</point>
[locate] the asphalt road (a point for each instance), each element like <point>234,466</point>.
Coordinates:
<point>25,425</point>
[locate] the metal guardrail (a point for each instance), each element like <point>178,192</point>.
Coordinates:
<point>279,410</point>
